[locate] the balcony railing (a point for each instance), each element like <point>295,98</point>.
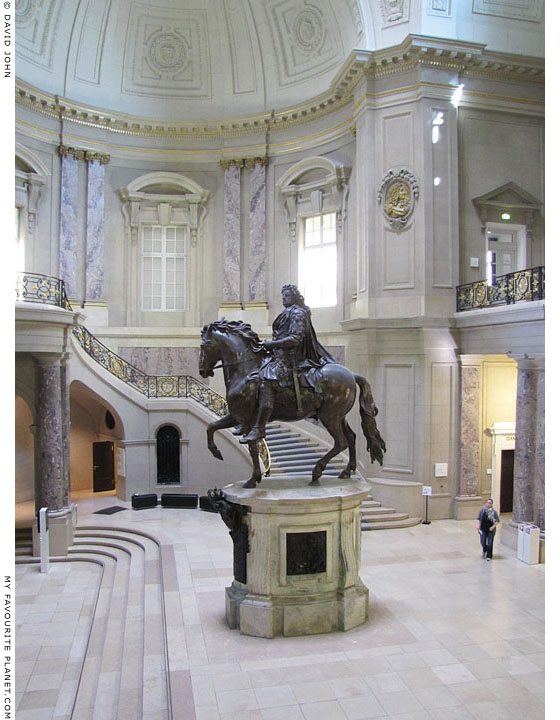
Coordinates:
<point>47,290</point>
<point>505,290</point>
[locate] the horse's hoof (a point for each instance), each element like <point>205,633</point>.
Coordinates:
<point>315,481</point>
<point>250,484</point>
<point>345,474</point>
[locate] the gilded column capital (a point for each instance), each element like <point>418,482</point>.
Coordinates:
<point>101,158</point>
<point>66,151</point>
<point>226,163</point>
<point>251,162</point>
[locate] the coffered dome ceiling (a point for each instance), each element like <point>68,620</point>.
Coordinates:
<point>188,59</point>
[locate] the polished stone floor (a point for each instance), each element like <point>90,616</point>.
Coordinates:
<point>449,635</point>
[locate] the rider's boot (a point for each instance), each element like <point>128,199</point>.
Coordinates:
<point>266,405</point>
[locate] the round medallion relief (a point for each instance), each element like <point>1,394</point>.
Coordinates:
<point>167,52</point>
<point>24,8</point>
<point>397,199</point>
<point>308,30</point>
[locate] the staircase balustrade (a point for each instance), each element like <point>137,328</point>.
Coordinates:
<point>48,290</point>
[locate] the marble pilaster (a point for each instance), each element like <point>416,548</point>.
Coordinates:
<point>470,440</point>
<point>69,224</point>
<point>95,230</point>
<point>528,471</point>
<point>65,425</point>
<point>232,234</point>
<point>50,471</point>
<point>257,230</point>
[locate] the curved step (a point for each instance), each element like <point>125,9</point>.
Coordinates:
<point>392,524</point>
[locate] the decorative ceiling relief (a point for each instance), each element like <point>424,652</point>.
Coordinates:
<point>516,9</point>
<point>306,38</point>
<point>440,8</point>
<point>167,54</point>
<point>36,22</point>
<point>357,19</point>
<point>398,191</point>
<point>243,71</point>
<point>395,11</point>
<point>92,39</point>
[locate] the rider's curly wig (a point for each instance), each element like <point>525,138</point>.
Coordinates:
<point>300,300</point>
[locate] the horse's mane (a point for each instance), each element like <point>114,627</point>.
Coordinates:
<point>235,327</point>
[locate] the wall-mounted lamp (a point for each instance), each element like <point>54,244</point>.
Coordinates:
<point>457,95</point>
<point>505,216</point>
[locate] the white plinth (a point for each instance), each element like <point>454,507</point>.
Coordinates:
<point>280,597</point>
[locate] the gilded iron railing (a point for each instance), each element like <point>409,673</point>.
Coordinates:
<point>505,290</point>
<point>44,289</point>
<point>31,287</point>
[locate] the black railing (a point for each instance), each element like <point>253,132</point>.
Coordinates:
<point>31,287</point>
<point>505,290</point>
<point>44,289</point>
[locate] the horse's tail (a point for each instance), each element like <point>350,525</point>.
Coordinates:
<point>368,411</point>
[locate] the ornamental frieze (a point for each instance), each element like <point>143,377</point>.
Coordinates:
<point>397,192</point>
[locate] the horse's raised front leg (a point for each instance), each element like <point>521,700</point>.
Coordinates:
<point>257,474</point>
<point>340,444</point>
<point>351,439</point>
<point>227,421</point>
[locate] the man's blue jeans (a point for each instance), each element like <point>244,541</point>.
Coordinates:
<point>487,541</point>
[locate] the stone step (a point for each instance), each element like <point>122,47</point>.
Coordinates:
<point>374,511</point>
<point>370,504</point>
<point>386,516</point>
<point>132,679</point>
<point>391,524</point>
<point>284,443</point>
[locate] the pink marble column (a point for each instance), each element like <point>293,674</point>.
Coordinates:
<point>528,471</point>
<point>65,425</point>
<point>50,471</point>
<point>470,440</point>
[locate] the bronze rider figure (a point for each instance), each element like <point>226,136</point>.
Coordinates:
<point>295,356</point>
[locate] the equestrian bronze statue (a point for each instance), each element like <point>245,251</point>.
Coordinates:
<point>290,377</point>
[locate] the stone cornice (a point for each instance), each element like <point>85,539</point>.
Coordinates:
<point>464,58</point>
<point>467,59</point>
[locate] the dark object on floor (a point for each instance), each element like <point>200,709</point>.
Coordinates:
<point>148,500</point>
<point>110,510</point>
<point>205,503</point>
<point>179,500</point>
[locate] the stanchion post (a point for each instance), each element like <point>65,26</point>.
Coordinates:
<point>43,523</point>
<point>426,491</point>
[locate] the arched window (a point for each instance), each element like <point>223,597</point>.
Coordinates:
<point>30,175</point>
<point>168,451</point>
<point>315,192</point>
<point>163,212</point>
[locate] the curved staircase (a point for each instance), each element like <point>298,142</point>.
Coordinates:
<point>293,452</point>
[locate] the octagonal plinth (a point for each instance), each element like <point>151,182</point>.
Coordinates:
<point>303,560</point>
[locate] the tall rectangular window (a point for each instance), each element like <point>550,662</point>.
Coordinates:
<point>163,267</point>
<point>318,268</point>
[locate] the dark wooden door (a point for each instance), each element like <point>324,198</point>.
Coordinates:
<point>506,482</point>
<point>168,449</point>
<point>103,466</point>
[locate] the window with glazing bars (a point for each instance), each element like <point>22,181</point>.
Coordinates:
<point>163,267</point>
<point>318,266</point>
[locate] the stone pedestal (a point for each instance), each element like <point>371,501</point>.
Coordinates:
<point>303,558</point>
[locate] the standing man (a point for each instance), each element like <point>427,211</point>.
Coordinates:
<point>294,348</point>
<point>487,521</point>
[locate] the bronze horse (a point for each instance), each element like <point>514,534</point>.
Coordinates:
<point>240,351</point>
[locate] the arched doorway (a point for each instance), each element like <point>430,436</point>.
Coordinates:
<point>96,432</point>
<point>24,463</point>
<point>168,455</point>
